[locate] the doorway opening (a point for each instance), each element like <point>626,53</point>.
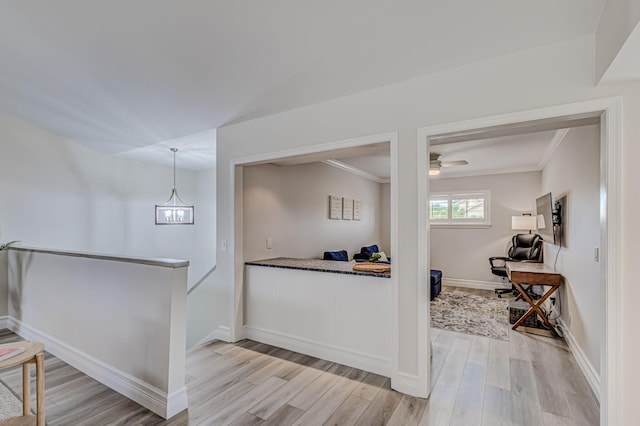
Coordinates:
<point>449,138</point>
<point>276,197</point>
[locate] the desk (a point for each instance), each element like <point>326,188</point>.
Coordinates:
<point>522,273</point>
<point>33,354</point>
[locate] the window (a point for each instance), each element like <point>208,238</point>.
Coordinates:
<point>460,208</point>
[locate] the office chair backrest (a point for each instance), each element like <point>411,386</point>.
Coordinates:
<point>526,247</point>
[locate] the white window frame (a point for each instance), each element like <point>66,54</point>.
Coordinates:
<point>451,222</point>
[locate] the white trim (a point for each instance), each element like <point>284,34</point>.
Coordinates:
<point>554,143</point>
<point>590,373</point>
<point>457,173</point>
<point>406,383</point>
<point>482,285</point>
<point>610,215</point>
<point>313,149</point>
<point>4,322</point>
<point>424,278</point>
<point>611,258</point>
<point>220,333</point>
<point>355,171</point>
<point>332,353</point>
<point>237,330</point>
<point>133,388</point>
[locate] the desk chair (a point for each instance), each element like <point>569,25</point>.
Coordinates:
<point>524,248</point>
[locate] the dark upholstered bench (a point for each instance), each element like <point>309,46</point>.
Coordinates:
<point>436,283</point>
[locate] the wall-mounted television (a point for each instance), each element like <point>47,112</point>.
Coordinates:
<point>544,206</point>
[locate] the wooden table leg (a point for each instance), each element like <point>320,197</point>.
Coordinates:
<point>535,307</point>
<point>26,389</point>
<point>40,389</point>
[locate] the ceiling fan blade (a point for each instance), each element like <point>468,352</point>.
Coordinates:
<point>454,163</point>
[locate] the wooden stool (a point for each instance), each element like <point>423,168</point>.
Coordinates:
<point>33,354</point>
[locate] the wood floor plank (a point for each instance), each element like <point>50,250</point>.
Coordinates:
<point>273,402</point>
<point>524,394</point>
<point>381,408</point>
<point>496,409</point>
<point>551,396</point>
<point>498,372</point>
<point>310,394</point>
<point>443,398</point>
<point>329,402</point>
<point>470,399</point>
<point>549,419</point>
<point>285,416</point>
<point>479,350</point>
<point>235,408</point>
<point>584,411</point>
<point>348,412</point>
<point>247,420</point>
<point>369,387</point>
<point>408,411</point>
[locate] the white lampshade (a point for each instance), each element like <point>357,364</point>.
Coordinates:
<point>524,223</point>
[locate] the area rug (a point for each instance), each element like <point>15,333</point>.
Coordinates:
<point>471,314</point>
<point>10,405</point>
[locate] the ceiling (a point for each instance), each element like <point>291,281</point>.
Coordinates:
<point>512,148</point>
<point>121,75</point>
<point>504,154</point>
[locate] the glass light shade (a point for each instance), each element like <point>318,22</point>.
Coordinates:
<point>524,223</point>
<point>174,211</point>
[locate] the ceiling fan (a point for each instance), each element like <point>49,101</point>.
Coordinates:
<point>435,164</point>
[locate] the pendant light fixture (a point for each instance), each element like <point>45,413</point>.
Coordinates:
<point>174,211</point>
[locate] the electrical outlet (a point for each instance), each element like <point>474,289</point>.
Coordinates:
<point>269,242</point>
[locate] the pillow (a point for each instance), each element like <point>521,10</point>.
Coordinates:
<point>369,250</point>
<point>340,255</point>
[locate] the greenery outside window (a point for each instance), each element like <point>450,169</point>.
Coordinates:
<point>469,208</point>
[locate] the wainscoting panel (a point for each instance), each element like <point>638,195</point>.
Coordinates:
<point>339,317</point>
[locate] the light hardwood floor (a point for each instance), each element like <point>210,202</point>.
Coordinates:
<point>529,380</point>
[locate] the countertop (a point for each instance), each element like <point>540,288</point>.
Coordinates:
<point>317,265</point>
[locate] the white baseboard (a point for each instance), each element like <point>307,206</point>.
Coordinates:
<point>133,388</point>
<point>3,322</point>
<point>593,378</point>
<point>220,333</point>
<point>344,356</point>
<point>406,383</point>
<point>482,285</point>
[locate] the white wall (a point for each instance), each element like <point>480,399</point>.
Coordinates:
<point>385,218</point>
<point>4,282</point>
<point>517,82</point>
<point>574,171</point>
<point>463,253</point>
<point>618,20</point>
<point>57,194</point>
<point>290,204</point>
<point>200,316</point>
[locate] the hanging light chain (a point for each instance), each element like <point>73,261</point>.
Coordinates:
<point>174,150</point>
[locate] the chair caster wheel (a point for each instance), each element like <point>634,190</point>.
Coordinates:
<point>499,296</point>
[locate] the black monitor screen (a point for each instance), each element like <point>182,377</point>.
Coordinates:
<point>543,212</point>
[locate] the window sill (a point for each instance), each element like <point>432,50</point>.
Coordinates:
<point>461,225</point>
